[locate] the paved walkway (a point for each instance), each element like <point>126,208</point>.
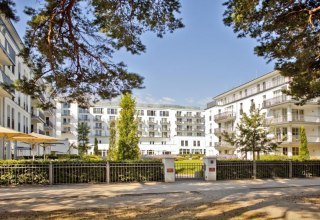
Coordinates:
<point>114,190</point>
<point>279,199</point>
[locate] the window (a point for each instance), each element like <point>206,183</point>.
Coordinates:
<point>66,105</point>
<point>141,112</point>
<point>163,143</point>
<point>189,114</point>
<point>112,118</point>
<point>8,117</point>
<point>98,125</point>
<point>97,117</point>
<point>83,110</point>
<point>295,134</point>
<point>297,115</point>
<point>295,151</point>
<point>189,128</point>
<point>240,94</point>
<point>198,143</point>
<point>264,86</point>
<point>98,110</point>
<point>258,88</point>
<point>151,134</point>
<point>150,152</point>
<point>164,113</point>
<point>194,143</point>
<point>178,113</point>
<point>182,143</point>
<point>112,111</point>
<point>245,92</point>
<point>12,115</point>
<point>285,151</point>
<point>189,120</point>
<point>241,108</point>
<point>151,113</point>
<point>165,134</point>
<point>151,142</point>
<point>186,143</point>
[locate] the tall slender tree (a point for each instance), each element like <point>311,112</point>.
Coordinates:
<point>252,135</point>
<point>303,151</point>
<point>113,148</point>
<point>128,141</point>
<point>83,131</point>
<point>96,149</point>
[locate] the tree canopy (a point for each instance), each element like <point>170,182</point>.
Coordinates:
<point>70,44</point>
<point>288,33</point>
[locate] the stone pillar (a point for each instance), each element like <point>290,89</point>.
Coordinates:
<point>2,149</point>
<point>15,150</point>
<point>169,170</point>
<point>210,168</point>
<point>289,113</point>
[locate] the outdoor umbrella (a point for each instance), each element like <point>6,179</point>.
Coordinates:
<point>35,138</point>
<point>7,133</point>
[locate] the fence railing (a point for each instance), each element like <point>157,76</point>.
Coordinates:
<point>71,173</point>
<point>231,170</point>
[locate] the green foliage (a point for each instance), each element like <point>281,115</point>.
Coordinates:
<point>95,149</point>
<point>303,151</point>
<point>128,141</point>
<point>288,33</point>
<point>274,158</point>
<point>113,148</point>
<point>6,8</point>
<point>181,157</point>
<point>83,131</point>
<point>71,44</point>
<point>253,135</point>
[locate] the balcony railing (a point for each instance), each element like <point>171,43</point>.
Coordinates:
<point>83,119</point>
<point>165,122</point>
<point>153,122</point>
<point>48,124</point>
<point>295,118</point>
<point>221,130</point>
<point>165,129</point>
<point>222,144</point>
<point>225,116</point>
<point>65,114</point>
<point>37,115</point>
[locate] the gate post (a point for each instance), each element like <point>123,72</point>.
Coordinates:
<point>51,173</point>
<point>210,168</point>
<point>169,171</point>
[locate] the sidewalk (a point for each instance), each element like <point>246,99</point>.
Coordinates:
<point>123,189</point>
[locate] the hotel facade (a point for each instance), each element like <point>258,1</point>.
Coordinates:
<point>163,129</point>
<point>283,116</point>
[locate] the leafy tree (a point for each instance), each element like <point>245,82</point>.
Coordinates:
<point>287,32</point>
<point>71,43</point>
<point>113,148</point>
<point>96,149</point>
<point>303,152</point>
<point>128,141</point>
<point>83,131</point>
<point>252,135</point>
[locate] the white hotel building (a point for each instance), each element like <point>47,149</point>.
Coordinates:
<point>163,129</point>
<point>17,110</point>
<point>283,116</point>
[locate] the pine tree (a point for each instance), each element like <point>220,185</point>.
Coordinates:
<point>128,141</point>
<point>83,131</point>
<point>252,135</point>
<point>96,149</point>
<point>113,151</point>
<point>71,44</point>
<point>303,151</point>
<point>287,32</point>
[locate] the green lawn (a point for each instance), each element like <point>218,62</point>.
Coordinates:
<point>188,166</point>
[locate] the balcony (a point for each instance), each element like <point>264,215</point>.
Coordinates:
<point>223,144</point>
<point>225,116</point>
<point>179,122</point>
<point>152,122</point>
<point>5,83</point>
<point>97,119</point>
<point>165,129</point>
<point>66,132</point>
<point>37,117</point>
<point>296,119</point>
<point>83,119</point>
<point>66,114</point>
<point>48,125</point>
<point>99,127</point>
<point>5,58</point>
<point>219,131</point>
<point>165,122</point>
<point>152,129</point>
<point>275,101</point>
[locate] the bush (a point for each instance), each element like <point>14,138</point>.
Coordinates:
<point>274,157</point>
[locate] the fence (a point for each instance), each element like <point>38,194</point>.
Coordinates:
<point>71,173</point>
<point>232,170</point>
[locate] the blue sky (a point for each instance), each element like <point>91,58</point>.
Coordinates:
<point>193,64</point>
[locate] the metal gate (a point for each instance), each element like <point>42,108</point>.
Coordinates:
<point>189,170</point>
